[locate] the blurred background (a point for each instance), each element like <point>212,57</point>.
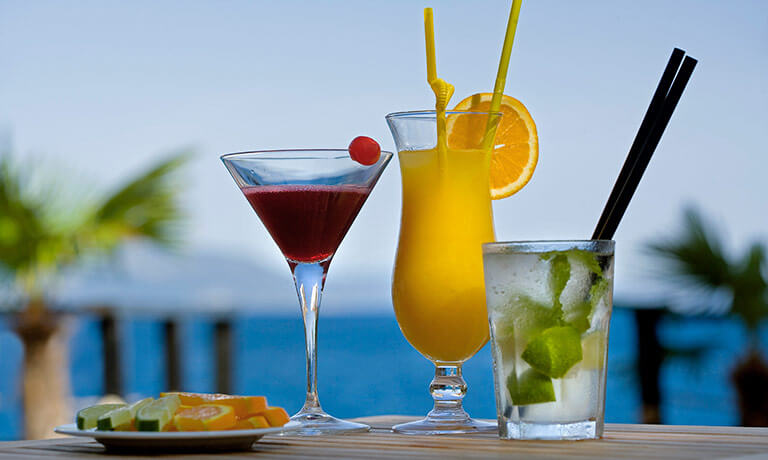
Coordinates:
<point>130,263</point>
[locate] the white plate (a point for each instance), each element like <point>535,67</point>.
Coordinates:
<point>176,440</point>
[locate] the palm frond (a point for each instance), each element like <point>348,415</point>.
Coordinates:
<point>27,238</point>
<point>696,255</point>
<point>145,207</point>
<point>750,287</point>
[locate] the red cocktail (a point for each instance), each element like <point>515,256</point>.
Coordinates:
<point>307,222</point>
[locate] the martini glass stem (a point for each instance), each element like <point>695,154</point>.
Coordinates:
<point>309,279</point>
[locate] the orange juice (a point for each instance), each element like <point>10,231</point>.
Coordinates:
<point>437,290</point>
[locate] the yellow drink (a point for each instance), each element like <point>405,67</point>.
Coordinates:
<point>437,290</point>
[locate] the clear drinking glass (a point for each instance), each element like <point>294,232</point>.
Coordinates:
<point>307,200</point>
<point>549,306</point>
<point>437,285</point>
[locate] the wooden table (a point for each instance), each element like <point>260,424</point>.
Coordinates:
<point>621,441</point>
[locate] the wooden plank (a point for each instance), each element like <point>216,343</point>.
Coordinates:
<point>621,442</point>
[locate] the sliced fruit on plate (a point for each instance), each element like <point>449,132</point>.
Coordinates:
<point>121,416</point>
<point>243,405</point>
<point>257,404</point>
<point>88,418</point>
<point>156,415</point>
<point>205,417</point>
<point>127,427</point>
<point>276,416</point>
<point>251,423</point>
<point>516,147</point>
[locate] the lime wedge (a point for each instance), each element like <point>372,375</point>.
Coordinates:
<point>532,387</point>
<point>88,417</point>
<point>554,351</point>
<point>155,415</point>
<point>120,416</point>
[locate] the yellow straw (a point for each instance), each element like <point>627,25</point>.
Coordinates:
<point>501,75</point>
<point>429,37</point>
<point>442,89</point>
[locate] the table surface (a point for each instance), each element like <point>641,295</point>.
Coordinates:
<point>620,441</point>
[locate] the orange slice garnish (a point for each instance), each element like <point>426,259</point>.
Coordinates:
<point>516,147</point>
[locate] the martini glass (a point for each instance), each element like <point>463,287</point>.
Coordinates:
<point>307,200</point>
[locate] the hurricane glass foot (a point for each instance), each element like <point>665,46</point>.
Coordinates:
<point>441,423</point>
<point>448,416</point>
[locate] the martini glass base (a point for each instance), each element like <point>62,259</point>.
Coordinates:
<point>318,423</point>
<point>432,426</point>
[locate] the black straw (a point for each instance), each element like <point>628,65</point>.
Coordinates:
<point>649,134</point>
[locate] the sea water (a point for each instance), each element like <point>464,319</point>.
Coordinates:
<point>366,367</point>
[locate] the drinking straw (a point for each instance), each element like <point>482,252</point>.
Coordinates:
<point>501,74</point>
<point>442,89</point>
<point>616,208</point>
<point>642,134</point>
<point>429,37</point>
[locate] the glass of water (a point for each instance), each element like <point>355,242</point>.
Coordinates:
<point>549,306</point>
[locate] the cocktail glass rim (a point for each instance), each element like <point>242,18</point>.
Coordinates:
<point>285,153</point>
<point>535,246</point>
<point>433,113</point>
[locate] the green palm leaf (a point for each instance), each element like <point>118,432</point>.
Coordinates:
<point>695,259</point>
<point>145,207</point>
<point>30,240</point>
<point>696,255</point>
<point>39,234</point>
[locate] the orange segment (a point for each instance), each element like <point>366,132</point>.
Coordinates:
<point>258,421</point>
<point>275,416</point>
<point>241,425</point>
<point>130,426</point>
<point>256,404</point>
<point>243,405</point>
<point>251,423</point>
<point>205,417</point>
<point>516,147</point>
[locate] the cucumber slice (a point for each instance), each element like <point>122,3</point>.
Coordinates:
<point>120,416</point>
<point>88,418</point>
<point>155,415</point>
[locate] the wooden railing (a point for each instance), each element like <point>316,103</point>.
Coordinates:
<point>110,341</point>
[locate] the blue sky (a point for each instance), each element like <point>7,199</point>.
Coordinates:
<point>97,90</point>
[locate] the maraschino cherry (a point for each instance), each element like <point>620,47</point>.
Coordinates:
<point>364,150</point>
